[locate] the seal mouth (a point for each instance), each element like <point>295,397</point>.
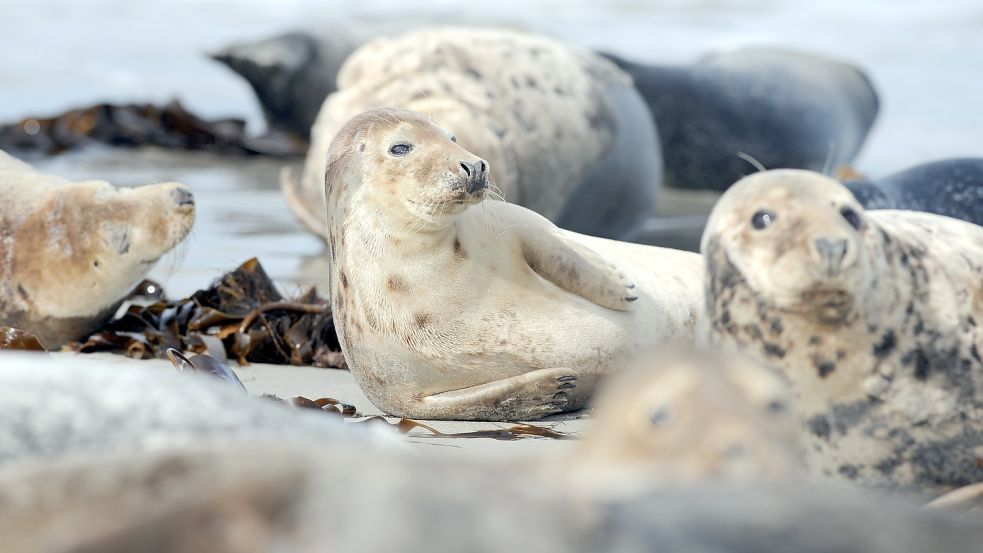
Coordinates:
<point>827,305</point>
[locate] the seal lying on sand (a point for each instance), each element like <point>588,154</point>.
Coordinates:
<point>785,109</point>
<point>70,252</point>
<point>564,131</point>
<point>951,187</point>
<point>447,309</point>
<point>96,467</point>
<point>873,316</point>
<point>685,416</point>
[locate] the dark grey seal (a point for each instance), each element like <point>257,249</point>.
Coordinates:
<point>785,109</point>
<point>950,187</point>
<point>291,74</point>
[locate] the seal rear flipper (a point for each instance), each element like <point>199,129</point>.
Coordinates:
<point>528,396</point>
<point>290,187</point>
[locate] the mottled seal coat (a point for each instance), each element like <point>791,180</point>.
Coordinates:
<point>71,251</point>
<point>75,406</point>
<point>96,458</point>
<point>680,416</point>
<point>873,316</point>
<point>564,131</point>
<point>447,309</point>
<point>950,187</point>
<point>784,108</point>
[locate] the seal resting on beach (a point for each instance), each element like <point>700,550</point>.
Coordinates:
<point>564,131</point>
<point>291,74</point>
<point>122,457</point>
<point>451,307</point>
<point>781,107</point>
<point>873,317</point>
<point>71,251</point>
<point>950,187</point>
<point>682,416</point>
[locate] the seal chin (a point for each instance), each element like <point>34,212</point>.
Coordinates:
<point>828,306</point>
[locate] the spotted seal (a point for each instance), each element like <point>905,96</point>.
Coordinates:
<point>872,315</point>
<point>565,132</point>
<point>451,307</point>
<point>98,467</point>
<point>71,251</point>
<point>784,108</point>
<point>950,187</point>
<point>681,416</point>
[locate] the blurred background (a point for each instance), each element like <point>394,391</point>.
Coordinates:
<point>925,58</point>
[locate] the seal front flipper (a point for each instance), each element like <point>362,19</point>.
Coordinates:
<point>528,396</point>
<point>576,268</point>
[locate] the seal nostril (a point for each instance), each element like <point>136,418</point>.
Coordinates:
<point>183,196</point>
<point>482,167</point>
<point>467,170</point>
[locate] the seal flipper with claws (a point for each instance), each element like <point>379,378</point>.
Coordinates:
<point>530,395</point>
<point>447,309</point>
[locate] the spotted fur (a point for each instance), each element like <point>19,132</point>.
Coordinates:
<point>449,305</point>
<point>883,356</point>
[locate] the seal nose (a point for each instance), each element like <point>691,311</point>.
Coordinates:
<point>831,254</point>
<point>183,196</point>
<point>477,173</point>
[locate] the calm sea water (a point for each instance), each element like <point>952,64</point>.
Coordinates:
<point>926,58</point>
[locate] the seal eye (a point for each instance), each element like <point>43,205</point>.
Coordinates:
<point>776,406</point>
<point>762,218</point>
<point>662,416</point>
<point>851,217</point>
<point>453,138</point>
<point>400,149</point>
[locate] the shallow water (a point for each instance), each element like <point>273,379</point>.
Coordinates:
<point>925,57</point>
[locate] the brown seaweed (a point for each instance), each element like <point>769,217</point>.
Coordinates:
<point>241,316</point>
<point>17,339</point>
<point>514,432</point>
<point>133,125</point>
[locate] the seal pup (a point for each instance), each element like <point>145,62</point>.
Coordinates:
<point>687,416</point>
<point>950,187</point>
<point>783,108</point>
<point>564,131</point>
<point>447,309</point>
<point>71,251</point>
<point>872,315</point>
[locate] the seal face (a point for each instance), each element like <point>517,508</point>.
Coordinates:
<point>564,132</point>
<point>682,417</point>
<point>871,315</point>
<point>452,306</point>
<point>70,252</point>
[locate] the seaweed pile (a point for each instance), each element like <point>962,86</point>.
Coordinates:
<point>132,125</point>
<point>241,316</point>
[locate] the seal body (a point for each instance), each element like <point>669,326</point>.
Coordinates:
<point>871,315</point>
<point>564,131</point>
<point>950,187</point>
<point>783,108</point>
<point>71,251</point>
<point>450,307</point>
